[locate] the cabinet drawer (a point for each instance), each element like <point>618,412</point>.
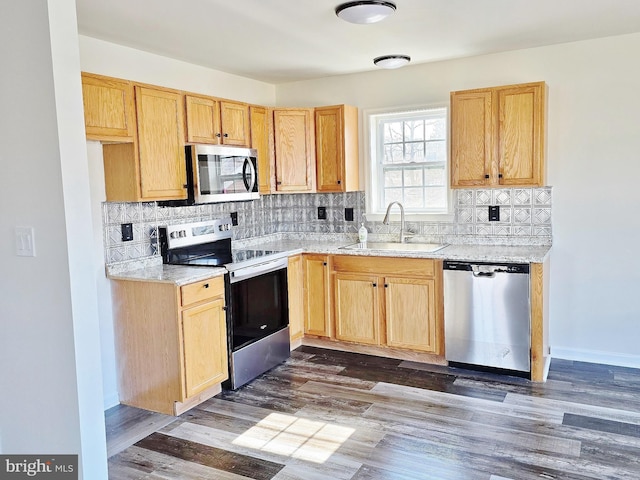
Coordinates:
<point>422,267</point>
<point>203,290</point>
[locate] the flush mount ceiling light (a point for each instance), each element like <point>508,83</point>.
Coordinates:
<point>391,61</point>
<point>365,11</point>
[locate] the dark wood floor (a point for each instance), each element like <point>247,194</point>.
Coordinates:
<point>334,415</point>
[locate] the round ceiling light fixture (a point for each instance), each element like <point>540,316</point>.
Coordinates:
<point>365,11</point>
<point>392,61</point>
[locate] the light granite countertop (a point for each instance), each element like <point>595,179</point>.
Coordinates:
<point>176,274</point>
<point>474,253</point>
<point>152,269</point>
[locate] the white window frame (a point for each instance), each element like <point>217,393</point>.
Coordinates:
<point>373,168</point>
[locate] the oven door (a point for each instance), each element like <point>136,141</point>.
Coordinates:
<point>258,303</point>
<point>223,174</point>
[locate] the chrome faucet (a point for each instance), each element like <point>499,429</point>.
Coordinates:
<point>403,234</point>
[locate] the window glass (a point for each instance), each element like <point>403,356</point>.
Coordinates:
<point>409,160</point>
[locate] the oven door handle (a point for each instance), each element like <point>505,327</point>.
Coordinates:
<point>256,270</point>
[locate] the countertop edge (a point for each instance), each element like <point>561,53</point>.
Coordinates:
<point>181,275</point>
<point>177,275</point>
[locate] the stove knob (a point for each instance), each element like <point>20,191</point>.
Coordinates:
<point>173,234</point>
<point>183,233</point>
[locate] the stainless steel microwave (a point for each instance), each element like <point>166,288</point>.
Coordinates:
<point>221,174</point>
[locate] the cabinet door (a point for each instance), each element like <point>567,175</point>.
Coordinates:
<point>234,122</point>
<point>294,152</point>
<point>296,297</point>
<point>329,149</point>
<point>316,295</point>
<point>520,134</point>
<point>260,141</point>
<point>204,337</point>
<point>203,120</point>
<point>356,308</point>
<point>161,144</point>
<point>108,108</point>
<point>471,138</point>
<point>337,148</point>
<point>411,313</point>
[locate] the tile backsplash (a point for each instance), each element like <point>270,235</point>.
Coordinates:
<point>525,217</point>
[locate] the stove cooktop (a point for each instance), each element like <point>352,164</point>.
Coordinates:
<point>209,244</point>
<point>238,258</point>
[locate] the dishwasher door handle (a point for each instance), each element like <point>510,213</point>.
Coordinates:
<point>484,274</point>
<point>485,271</point>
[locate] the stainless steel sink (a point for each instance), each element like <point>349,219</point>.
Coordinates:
<point>397,247</point>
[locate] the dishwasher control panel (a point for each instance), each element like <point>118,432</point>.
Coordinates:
<point>486,266</point>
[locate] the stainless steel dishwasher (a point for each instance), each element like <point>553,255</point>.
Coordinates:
<point>487,318</point>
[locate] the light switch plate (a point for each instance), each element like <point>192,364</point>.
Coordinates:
<point>25,242</point>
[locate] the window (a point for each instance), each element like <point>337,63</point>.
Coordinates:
<point>409,161</point>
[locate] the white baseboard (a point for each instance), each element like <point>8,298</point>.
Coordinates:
<point>111,400</point>
<point>595,356</point>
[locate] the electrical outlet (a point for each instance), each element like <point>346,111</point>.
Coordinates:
<point>494,213</point>
<point>348,214</point>
<point>234,219</point>
<point>127,232</point>
<point>322,213</point>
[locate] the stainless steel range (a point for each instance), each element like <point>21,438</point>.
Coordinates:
<point>256,293</point>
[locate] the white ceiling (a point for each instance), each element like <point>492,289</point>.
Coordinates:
<point>279,41</point>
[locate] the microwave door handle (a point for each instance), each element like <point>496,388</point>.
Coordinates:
<point>248,162</point>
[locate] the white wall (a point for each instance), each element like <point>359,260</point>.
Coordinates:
<point>105,58</point>
<point>593,166</point>
<point>49,345</point>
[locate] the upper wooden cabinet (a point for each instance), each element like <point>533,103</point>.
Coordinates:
<point>203,119</point>
<point>161,144</point>
<point>234,120</point>
<point>214,121</point>
<point>294,150</point>
<point>153,166</point>
<point>260,133</point>
<point>337,148</point>
<point>108,108</point>
<point>498,136</point>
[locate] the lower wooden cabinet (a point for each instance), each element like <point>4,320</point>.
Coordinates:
<point>171,343</point>
<point>357,308</point>
<point>393,302</point>
<point>295,275</point>
<point>411,313</point>
<point>316,295</point>
<point>204,336</point>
